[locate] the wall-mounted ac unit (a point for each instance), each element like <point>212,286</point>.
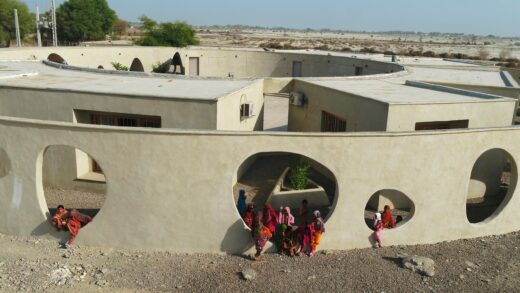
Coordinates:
<point>247,110</point>
<point>297,99</point>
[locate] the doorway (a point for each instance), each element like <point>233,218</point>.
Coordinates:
<point>194,66</point>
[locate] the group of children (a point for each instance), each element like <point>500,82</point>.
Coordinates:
<point>383,221</point>
<point>280,228</point>
<point>70,221</point>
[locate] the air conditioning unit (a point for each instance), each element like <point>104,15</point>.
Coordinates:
<point>247,110</point>
<point>297,99</point>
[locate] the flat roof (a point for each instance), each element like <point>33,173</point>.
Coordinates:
<point>460,76</point>
<point>36,75</point>
<point>393,91</point>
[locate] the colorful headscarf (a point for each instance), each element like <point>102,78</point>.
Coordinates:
<point>377,219</point>
<point>282,219</point>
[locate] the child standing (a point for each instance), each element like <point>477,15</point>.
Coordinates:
<point>319,228</point>
<point>378,227</point>
<point>261,234</point>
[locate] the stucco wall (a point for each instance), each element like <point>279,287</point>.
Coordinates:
<point>403,117</point>
<point>361,114</point>
<point>228,109</point>
<point>184,181</point>
<point>60,105</point>
<point>214,62</point>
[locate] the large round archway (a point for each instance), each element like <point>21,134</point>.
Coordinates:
<point>492,184</point>
<point>284,179</point>
<point>72,178</point>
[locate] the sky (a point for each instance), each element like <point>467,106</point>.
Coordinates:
<point>480,17</point>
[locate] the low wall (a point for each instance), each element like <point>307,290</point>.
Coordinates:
<point>213,62</point>
<point>184,179</point>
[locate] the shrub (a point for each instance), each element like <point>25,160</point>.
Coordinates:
<point>119,66</point>
<point>298,175</point>
<point>160,67</point>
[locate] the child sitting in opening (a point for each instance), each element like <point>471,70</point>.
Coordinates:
<point>378,227</point>
<point>59,220</point>
<point>71,221</point>
<point>387,219</point>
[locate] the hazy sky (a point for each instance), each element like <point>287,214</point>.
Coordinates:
<point>483,17</point>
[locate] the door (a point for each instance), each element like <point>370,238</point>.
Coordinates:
<point>194,66</point>
<point>297,69</point>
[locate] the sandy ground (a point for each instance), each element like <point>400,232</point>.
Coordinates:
<point>489,264</point>
<point>397,43</point>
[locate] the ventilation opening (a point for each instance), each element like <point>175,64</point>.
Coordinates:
<point>492,184</point>
<point>137,65</point>
<point>56,58</point>
<point>395,206</point>
<point>70,178</point>
<point>269,178</point>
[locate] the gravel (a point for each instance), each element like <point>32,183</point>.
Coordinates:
<point>34,265</point>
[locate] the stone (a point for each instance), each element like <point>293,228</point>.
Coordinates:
<point>422,265</point>
<point>313,277</point>
<point>471,265</point>
<point>248,274</point>
<point>60,276</point>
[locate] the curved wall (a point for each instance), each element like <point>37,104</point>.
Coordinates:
<point>213,62</point>
<point>186,179</point>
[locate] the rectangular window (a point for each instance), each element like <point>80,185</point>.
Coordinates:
<point>124,120</point>
<point>436,125</point>
<point>332,123</point>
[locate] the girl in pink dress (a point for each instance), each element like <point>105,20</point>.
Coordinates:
<point>378,227</point>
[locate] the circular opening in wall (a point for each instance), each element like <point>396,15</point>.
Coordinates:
<point>100,67</point>
<point>284,180</point>
<point>492,184</point>
<point>396,208</point>
<point>73,179</point>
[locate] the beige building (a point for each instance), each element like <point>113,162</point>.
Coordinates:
<point>56,118</point>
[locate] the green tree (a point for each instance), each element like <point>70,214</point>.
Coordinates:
<point>84,20</point>
<point>7,30</point>
<point>174,34</point>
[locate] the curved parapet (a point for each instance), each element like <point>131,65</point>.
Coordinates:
<point>186,188</point>
<point>211,62</point>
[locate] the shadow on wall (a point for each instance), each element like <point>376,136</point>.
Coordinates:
<point>46,229</point>
<point>237,240</point>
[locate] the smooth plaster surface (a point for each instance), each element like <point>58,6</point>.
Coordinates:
<point>186,179</point>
